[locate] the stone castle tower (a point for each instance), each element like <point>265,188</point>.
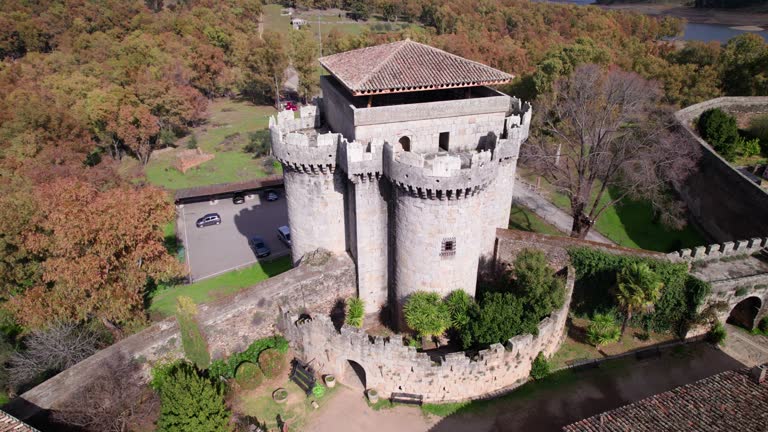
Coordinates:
<point>407,164</point>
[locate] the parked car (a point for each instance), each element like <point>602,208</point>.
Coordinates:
<point>271,195</point>
<point>284,234</point>
<point>259,247</point>
<point>290,106</point>
<point>208,220</point>
<point>238,198</point>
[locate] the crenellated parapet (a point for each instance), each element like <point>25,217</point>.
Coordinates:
<point>440,176</point>
<point>720,250</point>
<point>303,150</point>
<point>362,161</point>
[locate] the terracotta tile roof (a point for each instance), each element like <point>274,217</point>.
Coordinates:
<point>9,423</point>
<point>729,401</point>
<point>407,66</point>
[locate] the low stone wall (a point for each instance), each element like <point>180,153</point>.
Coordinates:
<point>720,250</point>
<point>390,366</point>
<point>229,324</point>
<point>725,203</point>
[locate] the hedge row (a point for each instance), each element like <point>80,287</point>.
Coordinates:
<point>226,368</point>
<point>596,277</point>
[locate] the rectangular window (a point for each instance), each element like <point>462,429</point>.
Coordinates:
<point>448,247</point>
<point>444,137</point>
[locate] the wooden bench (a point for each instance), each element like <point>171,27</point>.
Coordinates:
<point>407,399</point>
<point>303,376</point>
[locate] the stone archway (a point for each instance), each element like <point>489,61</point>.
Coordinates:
<point>354,375</point>
<point>405,143</point>
<point>745,313</point>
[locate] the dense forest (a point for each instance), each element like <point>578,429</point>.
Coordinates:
<point>85,83</point>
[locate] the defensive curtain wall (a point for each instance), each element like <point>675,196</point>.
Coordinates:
<point>738,274</point>
<point>725,203</point>
<point>229,325</point>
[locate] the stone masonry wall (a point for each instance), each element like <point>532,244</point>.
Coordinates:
<point>372,241</point>
<point>724,203</point>
<point>315,212</point>
<point>720,250</point>
<point>230,325</point>
<point>421,228</point>
<point>391,366</point>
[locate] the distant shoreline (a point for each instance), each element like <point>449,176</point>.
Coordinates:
<point>745,17</point>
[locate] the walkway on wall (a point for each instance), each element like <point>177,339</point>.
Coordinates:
<point>549,212</point>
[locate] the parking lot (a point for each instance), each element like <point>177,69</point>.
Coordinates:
<point>220,248</point>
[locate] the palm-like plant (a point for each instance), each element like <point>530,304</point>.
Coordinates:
<point>638,288</point>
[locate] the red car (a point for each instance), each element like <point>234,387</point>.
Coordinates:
<point>290,106</point>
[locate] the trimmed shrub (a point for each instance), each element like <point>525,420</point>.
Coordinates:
<point>603,329</point>
<point>717,334</point>
<point>249,375</point>
<point>271,362</point>
<point>758,128</point>
<point>498,318</point>
<point>540,367</point>
<point>355,312</point>
<point>226,368</point>
<point>195,347</point>
<point>318,390</point>
<point>426,313</point>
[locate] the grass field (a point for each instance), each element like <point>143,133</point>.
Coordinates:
<point>163,300</point>
<point>224,135</point>
<point>633,224</point>
<point>523,219</point>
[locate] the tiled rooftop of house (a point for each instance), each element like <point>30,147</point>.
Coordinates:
<point>407,66</point>
<point>729,401</point>
<point>9,423</point>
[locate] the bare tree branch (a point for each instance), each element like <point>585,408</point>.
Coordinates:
<point>604,132</point>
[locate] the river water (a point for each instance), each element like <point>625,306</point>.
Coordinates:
<point>692,31</point>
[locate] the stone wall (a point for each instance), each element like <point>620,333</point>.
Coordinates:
<point>390,366</point>
<point>230,325</point>
<point>722,201</point>
<point>720,250</point>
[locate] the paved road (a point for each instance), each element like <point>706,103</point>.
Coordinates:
<point>547,409</point>
<point>216,249</point>
<point>551,213</point>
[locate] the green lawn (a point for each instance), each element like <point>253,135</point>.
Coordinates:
<point>163,300</point>
<point>633,224</point>
<point>523,219</point>
<point>224,135</point>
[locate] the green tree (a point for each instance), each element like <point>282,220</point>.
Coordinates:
<point>745,66</point>
<point>637,289</point>
<point>459,304</point>
<point>304,51</point>
<point>355,312</point>
<point>720,130</point>
<point>190,402</point>
<point>426,313</point>
<point>536,284</point>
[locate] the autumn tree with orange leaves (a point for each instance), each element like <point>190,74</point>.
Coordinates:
<point>100,253</point>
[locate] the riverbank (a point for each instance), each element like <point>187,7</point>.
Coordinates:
<point>756,16</point>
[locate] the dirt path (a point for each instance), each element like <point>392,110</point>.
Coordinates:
<point>348,412</point>
<point>545,407</point>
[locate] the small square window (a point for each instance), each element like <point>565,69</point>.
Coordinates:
<point>448,248</point>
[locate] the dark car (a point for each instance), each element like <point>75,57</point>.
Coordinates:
<point>271,195</point>
<point>259,247</point>
<point>284,234</point>
<point>208,220</point>
<point>238,198</point>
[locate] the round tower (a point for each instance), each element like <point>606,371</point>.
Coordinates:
<point>440,219</point>
<point>314,189</point>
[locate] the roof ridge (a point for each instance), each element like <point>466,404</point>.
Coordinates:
<point>384,60</point>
